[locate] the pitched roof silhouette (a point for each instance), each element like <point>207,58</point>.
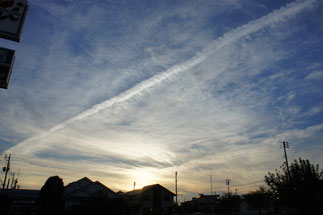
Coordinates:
<point>86,187</point>
<point>144,189</point>
<point>76,185</point>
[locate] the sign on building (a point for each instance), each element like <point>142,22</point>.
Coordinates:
<point>6,3</point>
<point>7,58</point>
<point>12,18</point>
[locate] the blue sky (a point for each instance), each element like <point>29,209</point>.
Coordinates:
<point>132,91</point>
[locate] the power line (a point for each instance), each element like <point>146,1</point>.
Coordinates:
<point>308,139</point>
<point>239,185</point>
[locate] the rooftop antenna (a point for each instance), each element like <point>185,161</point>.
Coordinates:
<point>13,180</point>
<point>227,182</point>
<point>16,181</point>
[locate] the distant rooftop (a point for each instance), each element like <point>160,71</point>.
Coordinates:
<point>141,190</point>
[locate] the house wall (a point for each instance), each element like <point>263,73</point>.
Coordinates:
<point>245,209</point>
<point>153,200</point>
<point>18,202</point>
<point>157,199</point>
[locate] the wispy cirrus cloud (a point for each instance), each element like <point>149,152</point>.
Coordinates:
<point>171,105</point>
<point>227,38</point>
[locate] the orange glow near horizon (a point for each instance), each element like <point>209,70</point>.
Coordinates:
<point>142,177</point>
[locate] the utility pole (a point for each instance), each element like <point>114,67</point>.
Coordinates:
<point>286,145</point>
<point>211,184</point>
<point>176,186</point>
<point>227,182</point>
<point>213,206</point>
<point>134,185</point>
<point>8,183</point>
<point>6,170</point>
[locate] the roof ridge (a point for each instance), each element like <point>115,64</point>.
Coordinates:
<point>84,178</point>
<point>77,188</point>
<point>98,182</point>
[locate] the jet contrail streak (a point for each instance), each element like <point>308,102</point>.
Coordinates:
<point>227,38</point>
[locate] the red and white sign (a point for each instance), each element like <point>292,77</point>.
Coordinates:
<point>12,18</point>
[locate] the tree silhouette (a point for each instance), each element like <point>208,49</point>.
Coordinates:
<point>229,203</point>
<point>302,191</point>
<point>51,197</point>
<point>259,199</point>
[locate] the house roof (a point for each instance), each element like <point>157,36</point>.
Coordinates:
<point>144,189</point>
<point>202,196</point>
<point>87,187</point>
<point>76,185</point>
<point>205,198</point>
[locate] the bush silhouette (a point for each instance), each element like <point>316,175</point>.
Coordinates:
<point>302,189</point>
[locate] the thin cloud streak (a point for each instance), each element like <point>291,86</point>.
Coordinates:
<point>143,87</point>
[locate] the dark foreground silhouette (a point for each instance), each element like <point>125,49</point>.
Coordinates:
<point>295,191</point>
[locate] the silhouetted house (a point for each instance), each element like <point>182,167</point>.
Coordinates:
<point>15,202</point>
<point>246,209</point>
<point>87,197</point>
<point>152,199</point>
<point>201,203</point>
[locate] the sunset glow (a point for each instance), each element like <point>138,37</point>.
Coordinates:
<point>134,91</point>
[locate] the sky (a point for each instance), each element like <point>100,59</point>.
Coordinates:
<point>127,91</point>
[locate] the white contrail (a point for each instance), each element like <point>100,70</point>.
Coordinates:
<point>230,37</point>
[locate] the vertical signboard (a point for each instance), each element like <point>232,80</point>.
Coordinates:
<point>12,18</point>
<point>6,3</point>
<point>7,58</point>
